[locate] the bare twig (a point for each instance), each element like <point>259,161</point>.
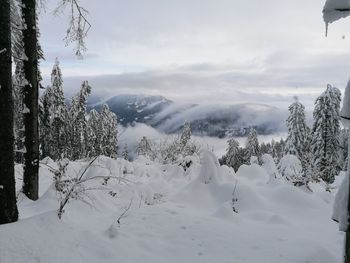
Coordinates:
<point>78,26</point>
<point>124,212</point>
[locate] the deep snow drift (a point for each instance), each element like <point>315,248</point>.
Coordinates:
<point>175,216</point>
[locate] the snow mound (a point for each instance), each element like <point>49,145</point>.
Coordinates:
<point>253,172</point>
<point>169,213</point>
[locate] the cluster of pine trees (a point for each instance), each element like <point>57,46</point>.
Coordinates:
<point>68,131</point>
<point>307,154</point>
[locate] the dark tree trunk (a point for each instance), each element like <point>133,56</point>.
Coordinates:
<point>31,93</point>
<point>8,205</point>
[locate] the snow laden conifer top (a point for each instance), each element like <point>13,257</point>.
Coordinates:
<point>325,141</point>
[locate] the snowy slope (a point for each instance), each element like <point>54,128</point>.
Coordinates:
<point>175,216</point>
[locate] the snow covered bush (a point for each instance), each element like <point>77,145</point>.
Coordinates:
<point>290,168</point>
<point>210,168</point>
<point>269,165</point>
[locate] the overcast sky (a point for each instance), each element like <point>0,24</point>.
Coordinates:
<point>214,51</point>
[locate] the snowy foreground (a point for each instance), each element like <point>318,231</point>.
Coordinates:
<point>175,216</point>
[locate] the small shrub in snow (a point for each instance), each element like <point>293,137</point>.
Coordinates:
<point>209,171</point>
<point>290,168</point>
<point>268,163</point>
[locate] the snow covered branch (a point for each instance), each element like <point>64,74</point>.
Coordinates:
<point>78,25</point>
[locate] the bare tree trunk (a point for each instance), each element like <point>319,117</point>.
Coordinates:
<point>8,205</point>
<point>30,68</point>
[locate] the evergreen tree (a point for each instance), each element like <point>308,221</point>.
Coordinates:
<point>77,123</point>
<point>144,147</point>
<point>325,135</point>
<point>109,131</point>
<point>125,153</point>
<point>18,81</point>
<point>94,130</point>
<point>297,142</point>
<point>252,144</point>
<point>232,157</point>
<point>185,135</point>
<point>44,121</point>
<point>58,114</point>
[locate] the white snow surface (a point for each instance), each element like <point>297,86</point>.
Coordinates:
<point>175,216</point>
<point>340,207</point>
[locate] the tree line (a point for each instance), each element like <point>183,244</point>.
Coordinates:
<point>313,153</point>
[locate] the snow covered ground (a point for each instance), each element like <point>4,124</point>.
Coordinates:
<point>175,216</point>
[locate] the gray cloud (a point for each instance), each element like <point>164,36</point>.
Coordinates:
<point>204,51</point>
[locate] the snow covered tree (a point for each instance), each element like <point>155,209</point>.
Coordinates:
<point>18,81</point>
<point>268,163</point>
<point>58,114</point>
<point>77,123</point>
<point>325,135</point>
<point>94,130</point>
<point>144,147</point>
<point>109,131</point>
<point>44,121</point>
<point>125,153</point>
<point>252,144</point>
<point>298,138</point>
<point>291,169</point>
<point>185,135</point>
<point>232,156</point>
<point>8,205</point>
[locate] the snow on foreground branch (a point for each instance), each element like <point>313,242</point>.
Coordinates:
<point>73,187</point>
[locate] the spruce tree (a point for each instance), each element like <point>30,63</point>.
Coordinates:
<point>94,138</point>
<point>109,130</point>
<point>45,123</point>
<point>297,142</point>
<point>125,153</point>
<point>76,131</point>
<point>18,81</point>
<point>252,144</point>
<point>232,157</point>
<point>185,135</point>
<point>144,147</point>
<point>325,135</point>
<point>58,114</point>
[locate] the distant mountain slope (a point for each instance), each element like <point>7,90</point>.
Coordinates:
<point>139,108</point>
<point>209,120</point>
